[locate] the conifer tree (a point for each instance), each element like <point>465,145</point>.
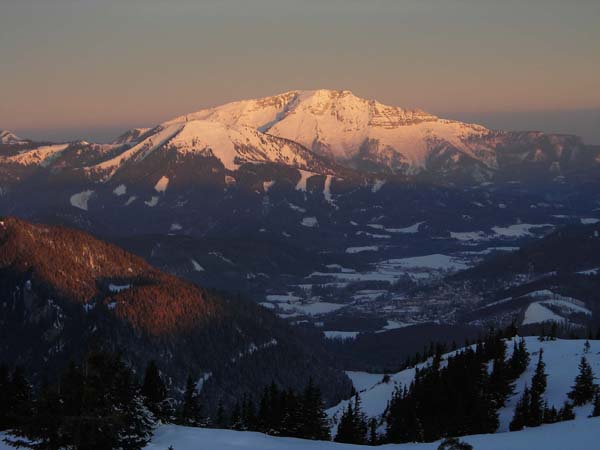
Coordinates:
<point>290,404</point>
<point>235,420</point>
<point>314,423</point>
<point>249,420</point>
<point>566,412</point>
<point>44,422</point>
<point>190,412</point>
<point>346,425</point>
<point>500,383</point>
<point>98,407</point>
<point>596,410</point>
<point>220,420</point>
<point>4,397</point>
<point>360,426</point>
<point>553,331</point>
<point>155,392</point>
<point>19,397</point>
<point>539,379</point>
<point>521,416</point>
<point>550,414</point>
<point>584,388</point>
<point>535,416</point>
<point>373,438</point>
<point>519,359</point>
<point>352,428</point>
<point>271,410</point>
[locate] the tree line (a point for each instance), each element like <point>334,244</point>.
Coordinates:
<point>99,404</point>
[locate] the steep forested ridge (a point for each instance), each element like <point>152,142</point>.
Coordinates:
<point>63,292</point>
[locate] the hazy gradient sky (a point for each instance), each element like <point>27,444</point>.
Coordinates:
<point>92,68</point>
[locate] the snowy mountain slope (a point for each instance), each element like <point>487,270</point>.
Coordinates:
<point>367,134</point>
<point>561,358</point>
<point>231,145</point>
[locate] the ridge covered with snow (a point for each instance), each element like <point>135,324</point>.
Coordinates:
<point>232,145</point>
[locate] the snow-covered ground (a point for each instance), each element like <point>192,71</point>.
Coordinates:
<point>572,435</point>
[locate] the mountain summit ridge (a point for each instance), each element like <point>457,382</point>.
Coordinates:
<point>363,133</point>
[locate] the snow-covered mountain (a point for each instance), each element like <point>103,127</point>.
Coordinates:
<point>309,130</point>
<point>346,127</point>
<point>6,137</point>
<point>367,134</point>
<point>131,136</point>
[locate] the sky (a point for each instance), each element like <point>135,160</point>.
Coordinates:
<point>91,69</point>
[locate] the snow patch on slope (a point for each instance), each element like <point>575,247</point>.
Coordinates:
<point>304,176</point>
<point>197,267</point>
<point>152,202</point>
<point>309,222</point>
<point>81,199</point>
<point>120,190</point>
<point>162,184</point>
